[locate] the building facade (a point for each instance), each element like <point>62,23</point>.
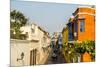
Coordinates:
<point>64,41</point>
<point>82,25</point>
<point>65,36</point>
<point>34,49</point>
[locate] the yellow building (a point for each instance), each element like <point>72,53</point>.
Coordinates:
<point>65,36</point>
<point>64,41</point>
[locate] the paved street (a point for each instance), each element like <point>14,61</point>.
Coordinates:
<point>60,59</point>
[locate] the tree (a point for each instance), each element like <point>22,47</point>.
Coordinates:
<point>17,20</point>
<point>86,46</point>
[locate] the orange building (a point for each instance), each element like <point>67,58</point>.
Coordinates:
<point>82,24</point>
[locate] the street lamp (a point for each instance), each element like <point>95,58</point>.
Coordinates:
<point>22,56</point>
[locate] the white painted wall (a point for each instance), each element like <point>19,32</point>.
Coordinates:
<point>25,46</point>
<point>28,28</point>
<point>19,46</point>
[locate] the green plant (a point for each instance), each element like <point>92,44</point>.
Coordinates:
<point>17,20</point>
<point>74,50</point>
<point>86,46</point>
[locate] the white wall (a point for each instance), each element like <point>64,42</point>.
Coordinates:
<point>19,46</point>
<point>25,46</point>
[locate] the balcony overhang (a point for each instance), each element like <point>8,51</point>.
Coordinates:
<point>33,40</point>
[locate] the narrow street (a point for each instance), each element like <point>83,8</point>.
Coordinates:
<point>60,59</point>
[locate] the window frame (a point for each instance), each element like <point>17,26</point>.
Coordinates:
<point>82,25</point>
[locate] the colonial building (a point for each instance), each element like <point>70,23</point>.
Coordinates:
<point>82,24</point>
<point>32,50</point>
<point>80,27</point>
<point>65,36</point>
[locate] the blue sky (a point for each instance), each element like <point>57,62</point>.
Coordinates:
<point>51,16</point>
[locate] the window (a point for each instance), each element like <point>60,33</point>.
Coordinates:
<point>82,26</point>
<point>32,30</point>
<point>33,57</point>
